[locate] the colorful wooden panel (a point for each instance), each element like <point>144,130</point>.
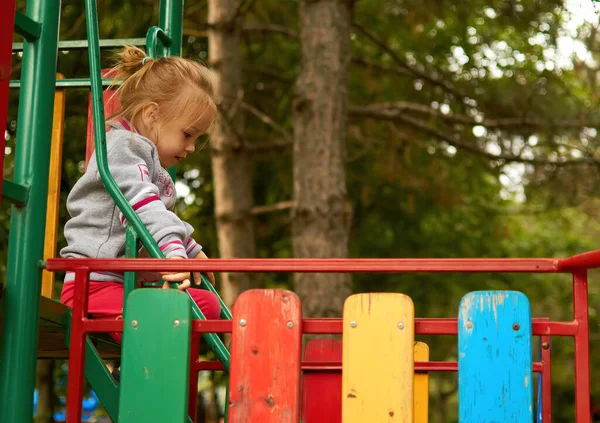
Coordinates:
<point>378,359</point>
<point>155,360</point>
<point>322,391</point>
<point>494,358</point>
<point>421,388</point>
<point>56,148</point>
<point>266,344</point>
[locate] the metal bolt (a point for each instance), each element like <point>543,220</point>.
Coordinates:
<point>290,324</point>
<point>470,325</point>
<point>545,345</point>
<point>400,325</point>
<point>516,326</point>
<point>242,322</point>
<point>134,323</point>
<point>176,323</point>
<point>353,324</point>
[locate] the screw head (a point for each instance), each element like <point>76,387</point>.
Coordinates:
<point>400,325</point>
<point>470,325</point>
<point>242,322</point>
<point>176,323</point>
<point>290,324</point>
<point>134,323</point>
<point>516,326</point>
<point>545,345</point>
<point>353,324</point>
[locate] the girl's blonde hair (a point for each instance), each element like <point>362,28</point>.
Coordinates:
<point>182,88</point>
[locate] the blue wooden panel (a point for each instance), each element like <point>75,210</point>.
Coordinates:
<point>494,358</point>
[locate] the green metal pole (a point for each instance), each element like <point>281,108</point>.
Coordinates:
<point>131,245</point>
<point>108,180</point>
<point>26,239</point>
<point>100,135</point>
<point>171,21</point>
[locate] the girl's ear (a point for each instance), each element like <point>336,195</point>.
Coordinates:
<point>150,114</point>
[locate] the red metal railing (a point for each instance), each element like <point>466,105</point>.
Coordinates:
<point>7,22</point>
<point>577,328</point>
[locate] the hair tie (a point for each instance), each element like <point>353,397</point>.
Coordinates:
<point>144,60</point>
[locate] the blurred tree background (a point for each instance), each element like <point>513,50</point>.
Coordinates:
<point>472,131</point>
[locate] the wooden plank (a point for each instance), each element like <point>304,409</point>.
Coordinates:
<point>56,148</point>
<point>156,357</point>
<point>52,342</point>
<point>265,357</point>
<point>494,360</point>
<point>421,387</point>
<point>378,359</point>
<point>322,391</point>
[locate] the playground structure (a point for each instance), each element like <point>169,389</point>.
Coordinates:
<point>376,373</point>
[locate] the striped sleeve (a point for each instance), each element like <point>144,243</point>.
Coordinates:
<point>192,248</point>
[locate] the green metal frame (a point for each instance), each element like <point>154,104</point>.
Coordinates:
<point>26,242</point>
<point>16,193</point>
<point>27,27</point>
<point>68,83</point>
<point>83,44</point>
<point>28,193</point>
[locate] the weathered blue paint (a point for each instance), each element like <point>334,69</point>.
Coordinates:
<point>494,358</point>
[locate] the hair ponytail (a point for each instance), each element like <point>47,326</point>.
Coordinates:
<point>131,65</point>
<point>179,86</point>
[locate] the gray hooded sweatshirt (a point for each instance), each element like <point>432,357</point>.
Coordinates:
<point>97,226</point>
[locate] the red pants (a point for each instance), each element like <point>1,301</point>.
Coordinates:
<point>105,300</point>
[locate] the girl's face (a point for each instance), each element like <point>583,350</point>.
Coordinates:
<point>176,139</point>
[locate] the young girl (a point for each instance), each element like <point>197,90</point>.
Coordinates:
<point>165,105</point>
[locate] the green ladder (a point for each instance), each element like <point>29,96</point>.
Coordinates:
<point>28,193</point>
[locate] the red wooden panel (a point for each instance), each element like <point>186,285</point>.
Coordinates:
<point>111,105</point>
<point>322,391</point>
<point>7,22</point>
<point>266,342</point>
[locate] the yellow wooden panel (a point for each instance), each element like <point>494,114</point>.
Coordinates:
<point>58,125</point>
<point>421,388</point>
<point>378,359</point>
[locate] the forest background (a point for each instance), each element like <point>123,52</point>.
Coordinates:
<point>384,129</point>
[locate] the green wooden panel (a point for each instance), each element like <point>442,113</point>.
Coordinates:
<point>156,357</point>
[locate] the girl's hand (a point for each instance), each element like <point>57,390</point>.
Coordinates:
<point>209,275</point>
<point>183,277</point>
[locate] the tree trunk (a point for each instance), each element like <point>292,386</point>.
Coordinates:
<point>321,214</point>
<point>230,164</point>
<point>44,383</point>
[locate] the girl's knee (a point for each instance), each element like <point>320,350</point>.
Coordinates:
<point>208,303</point>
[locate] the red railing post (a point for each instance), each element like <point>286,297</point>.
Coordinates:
<point>193,391</point>
<point>546,379</point>
<point>582,354</point>
<point>77,346</point>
